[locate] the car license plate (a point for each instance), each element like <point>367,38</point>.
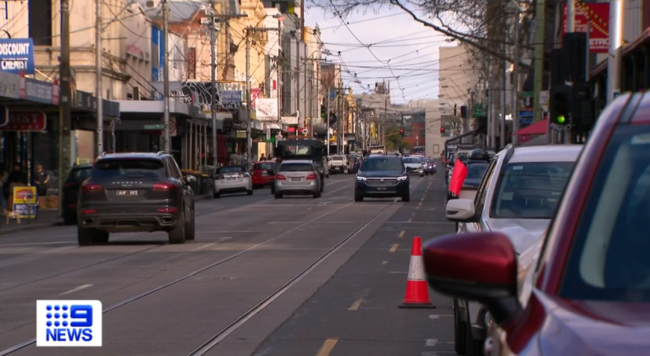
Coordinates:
<point>232,178</point>
<point>127,193</point>
<point>296,179</point>
<point>381,188</point>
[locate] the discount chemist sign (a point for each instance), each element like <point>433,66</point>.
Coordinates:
<point>17,55</point>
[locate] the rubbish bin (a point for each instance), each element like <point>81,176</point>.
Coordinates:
<point>205,184</point>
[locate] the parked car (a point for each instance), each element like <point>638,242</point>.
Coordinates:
<point>587,291</point>
<point>517,196</point>
<point>382,176</point>
<point>232,179</point>
<point>133,192</point>
<point>263,173</point>
<point>297,178</point>
<point>78,174</point>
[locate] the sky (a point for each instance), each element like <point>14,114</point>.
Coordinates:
<point>386,45</point>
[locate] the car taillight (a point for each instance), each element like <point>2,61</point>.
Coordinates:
<point>312,176</point>
<point>219,176</point>
<point>68,185</point>
<point>88,211</point>
<point>280,177</point>
<point>163,187</point>
<point>243,175</point>
<point>91,188</point>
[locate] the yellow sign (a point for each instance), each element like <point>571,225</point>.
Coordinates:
<point>25,201</point>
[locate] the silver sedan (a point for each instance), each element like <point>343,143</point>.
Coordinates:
<point>297,178</point>
<point>232,179</point>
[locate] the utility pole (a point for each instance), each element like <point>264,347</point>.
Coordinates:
<point>515,78</point>
<point>64,113</point>
<point>278,69</point>
<point>249,143</point>
<point>99,72</point>
<point>298,81</point>
<point>212,27</point>
<point>166,121</point>
<point>615,60</point>
<point>540,21</point>
<point>328,121</point>
<point>311,103</point>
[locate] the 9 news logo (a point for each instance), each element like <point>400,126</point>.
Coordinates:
<point>68,323</point>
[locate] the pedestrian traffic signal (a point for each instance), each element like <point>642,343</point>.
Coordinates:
<point>401,132</point>
<point>561,104</point>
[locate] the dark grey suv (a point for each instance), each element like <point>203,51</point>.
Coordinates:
<point>133,192</point>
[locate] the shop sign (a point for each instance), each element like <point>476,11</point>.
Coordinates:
<point>35,90</point>
<point>9,85</point>
<point>25,201</point>
<point>233,96</point>
<point>26,121</point>
<point>17,55</point>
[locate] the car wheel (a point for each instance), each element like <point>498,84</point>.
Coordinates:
<point>406,197</point>
<point>249,192</point>
<point>190,229</point>
<point>278,195</point>
<point>177,234</point>
<point>358,197</point>
<point>460,335</point>
<point>89,236</point>
<point>216,194</point>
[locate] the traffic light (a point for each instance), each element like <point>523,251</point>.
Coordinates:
<point>561,101</point>
<point>323,111</point>
<point>583,114</point>
<point>401,132</point>
<point>442,130</point>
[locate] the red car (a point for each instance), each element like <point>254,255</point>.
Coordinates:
<point>263,173</point>
<point>587,289</point>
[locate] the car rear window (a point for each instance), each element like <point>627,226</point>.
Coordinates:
<point>231,169</point>
<point>128,168</point>
<point>296,167</point>
<point>266,166</point>
<point>476,170</point>
<point>80,174</point>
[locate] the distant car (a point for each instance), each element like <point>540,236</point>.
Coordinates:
<point>78,174</point>
<point>232,179</point>
<point>430,167</point>
<point>263,173</point>
<point>298,177</point>
<point>414,165</point>
<point>382,176</point>
<point>355,163</point>
<point>133,192</point>
<point>338,164</point>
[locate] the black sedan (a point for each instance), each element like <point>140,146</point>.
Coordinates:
<point>380,177</point>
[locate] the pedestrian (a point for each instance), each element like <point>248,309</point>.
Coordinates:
<point>262,158</point>
<point>4,175</point>
<point>41,180</point>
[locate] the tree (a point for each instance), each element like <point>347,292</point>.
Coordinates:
<point>480,24</point>
<point>393,138</point>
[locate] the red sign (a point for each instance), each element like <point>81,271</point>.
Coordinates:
<point>255,93</point>
<point>56,92</point>
<point>592,17</point>
<point>26,121</point>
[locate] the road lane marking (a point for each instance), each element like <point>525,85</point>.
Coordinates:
<point>393,248</point>
<point>430,342</point>
<point>410,220</point>
<point>356,305</point>
<point>401,233</point>
<point>327,347</point>
<point>204,246</point>
<point>384,262</point>
<point>420,204</point>
<point>437,316</point>
<point>77,289</point>
<point>417,208</point>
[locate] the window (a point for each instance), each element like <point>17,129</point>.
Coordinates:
<point>128,168</point>
<point>231,169</point>
<point>412,160</point>
<point>382,164</point>
<point>80,174</point>
<point>476,170</point>
<point>337,158</point>
<point>609,256</point>
<point>481,193</point>
<point>265,166</point>
<point>40,22</point>
<point>296,167</point>
<point>529,190</point>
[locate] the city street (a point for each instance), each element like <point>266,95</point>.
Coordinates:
<point>289,277</point>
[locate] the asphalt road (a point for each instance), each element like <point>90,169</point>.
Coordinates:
<point>296,276</point>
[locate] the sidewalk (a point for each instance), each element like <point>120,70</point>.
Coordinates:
<point>46,218</point>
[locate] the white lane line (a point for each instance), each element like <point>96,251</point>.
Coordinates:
<point>431,342</point>
<point>204,246</point>
<point>77,289</point>
<point>437,316</point>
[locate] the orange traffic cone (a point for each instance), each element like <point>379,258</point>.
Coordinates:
<point>417,290</point>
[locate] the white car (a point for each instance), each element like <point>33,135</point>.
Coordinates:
<point>232,179</point>
<point>517,196</point>
<point>414,165</point>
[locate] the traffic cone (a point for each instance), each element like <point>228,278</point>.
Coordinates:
<point>417,290</point>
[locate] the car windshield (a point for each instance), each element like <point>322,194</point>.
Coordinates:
<point>529,190</point>
<point>609,255</point>
<point>476,170</point>
<point>296,167</point>
<point>128,168</point>
<point>265,166</point>
<point>412,160</point>
<point>337,158</point>
<point>382,164</point>
<point>231,169</point>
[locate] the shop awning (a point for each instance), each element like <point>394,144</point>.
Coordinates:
<point>538,128</point>
<point>630,47</point>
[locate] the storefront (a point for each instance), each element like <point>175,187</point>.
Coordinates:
<point>84,125</point>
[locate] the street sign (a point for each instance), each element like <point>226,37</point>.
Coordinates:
<point>526,113</point>
<point>154,127</point>
<point>526,121</point>
<point>480,110</point>
<point>526,94</point>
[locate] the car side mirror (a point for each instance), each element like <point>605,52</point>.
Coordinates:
<point>475,266</point>
<point>461,210</point>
